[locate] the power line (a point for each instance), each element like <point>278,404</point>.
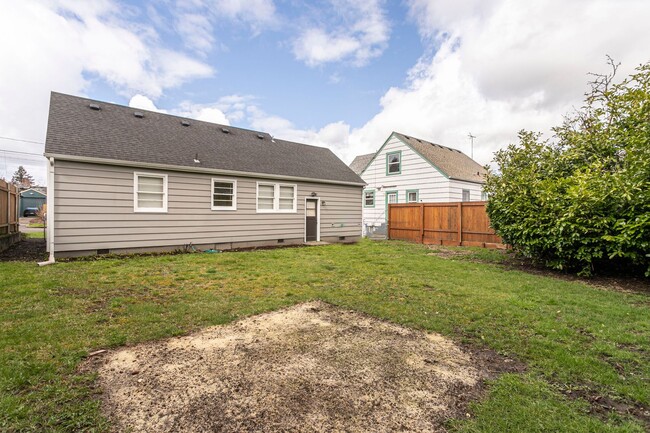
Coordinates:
<point>22,153</point>
<point>18,139</point>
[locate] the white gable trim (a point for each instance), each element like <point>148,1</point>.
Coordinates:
<point>392,134</point>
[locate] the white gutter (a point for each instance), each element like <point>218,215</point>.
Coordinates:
<point>182,168</point>
<point>50,213</point>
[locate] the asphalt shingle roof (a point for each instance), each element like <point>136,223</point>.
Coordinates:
<point>453,163</point>
<point>360,162</point>
<point>114,133</point>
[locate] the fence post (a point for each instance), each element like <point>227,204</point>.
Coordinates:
<point>460,223</point>
<point>422,223</point>
<point>9,225</point>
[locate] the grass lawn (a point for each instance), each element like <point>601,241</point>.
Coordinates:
<point>36,225</point>
<point>576,340</point>
<point>34,235</point>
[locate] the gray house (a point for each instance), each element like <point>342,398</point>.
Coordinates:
<point>128,180</point>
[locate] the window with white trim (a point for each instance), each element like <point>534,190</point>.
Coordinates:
<point>466,195</point>
<point>224,194</point>
<point>276,197</point>
<point>150,192</point>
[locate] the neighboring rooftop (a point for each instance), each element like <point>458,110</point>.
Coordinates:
<point>360,162</point>
<point>86,128</point>
<point>452,162</point>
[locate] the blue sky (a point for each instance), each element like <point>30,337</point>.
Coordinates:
<point>336,73</point>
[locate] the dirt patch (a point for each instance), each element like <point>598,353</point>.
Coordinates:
<point>312,367</point>
<point>27,250</point>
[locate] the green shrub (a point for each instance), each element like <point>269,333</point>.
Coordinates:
<point>581,201</point>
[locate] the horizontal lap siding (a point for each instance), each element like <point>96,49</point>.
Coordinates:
<point>94,210</point>
<point>456,188</point>
<point>417,174</point>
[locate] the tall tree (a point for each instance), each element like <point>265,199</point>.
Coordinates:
<point>22,178</point>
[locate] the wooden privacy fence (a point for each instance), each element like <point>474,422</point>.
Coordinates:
<point>457,223</point>
<point>8,208</point>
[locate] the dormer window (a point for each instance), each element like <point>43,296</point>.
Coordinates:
<point>394,163</point>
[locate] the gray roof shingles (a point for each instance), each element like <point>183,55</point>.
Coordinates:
<point>114,133</point>
<point>453,163</point>
<point>360,162</point>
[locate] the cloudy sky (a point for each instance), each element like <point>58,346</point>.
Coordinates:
<point>336,73</point>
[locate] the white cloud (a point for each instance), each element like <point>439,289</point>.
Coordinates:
<point>206,113</point>
<point>144,103</point>
<point>502,66</point>
<point>64,46</point>
<point>358,32</point>
<point>195,21</point>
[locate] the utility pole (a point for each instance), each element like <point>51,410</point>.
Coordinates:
<point>471,138</point>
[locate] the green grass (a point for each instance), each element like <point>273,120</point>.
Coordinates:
<point>34,235</point>
<point>36,225</point>
<point>570,335</point>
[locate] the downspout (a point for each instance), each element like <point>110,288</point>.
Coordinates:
<point>50,213</point>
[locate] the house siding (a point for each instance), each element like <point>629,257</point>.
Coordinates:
<point>416,174</point>
<point>456,188</point>
<point>94,210</point>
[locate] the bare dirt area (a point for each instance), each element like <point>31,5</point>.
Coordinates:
<point>27,250</point>
<point>311,368</point>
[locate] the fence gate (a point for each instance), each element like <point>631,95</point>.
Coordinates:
<point>456,223</point>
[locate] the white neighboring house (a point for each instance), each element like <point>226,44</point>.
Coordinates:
<point>410,170</point>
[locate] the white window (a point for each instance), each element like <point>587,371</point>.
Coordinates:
<point>149,192</point>
<point>411,196</point>
<point>465,195</point>
<point>224,194</point>
<point>276,197</point>
<point>369,198</point>
<point>391,197</point>
<point>484,196</point>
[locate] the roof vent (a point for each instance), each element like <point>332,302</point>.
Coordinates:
<point>138,115</point>
<point>225,130</point>
<point>185,123</point>
<point>260,136</point>
<point>94,107</point>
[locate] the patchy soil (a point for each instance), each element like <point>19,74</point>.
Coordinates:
<point>27,250</point>
<point>311,368</point>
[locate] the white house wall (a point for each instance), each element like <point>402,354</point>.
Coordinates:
<point>456,188</point>
<point>417,174</point>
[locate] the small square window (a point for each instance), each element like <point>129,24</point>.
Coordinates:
<point>224,194</point>
<point>411,196</point>
<point>150,192</point>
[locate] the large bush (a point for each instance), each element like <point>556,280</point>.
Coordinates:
<point>582,200</point>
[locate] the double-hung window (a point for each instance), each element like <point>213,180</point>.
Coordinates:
<point>276,197</point>
<point>369,198</point>
<point>224,194</point>
<point>394,163</point>
<point>149,192</point>
<point>466,196</point>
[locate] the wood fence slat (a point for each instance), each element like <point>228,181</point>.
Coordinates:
<point>454,223</point>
